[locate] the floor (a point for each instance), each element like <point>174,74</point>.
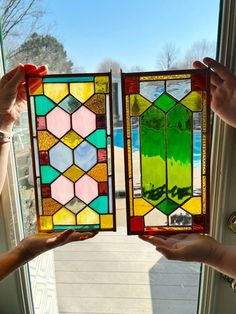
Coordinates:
<point>119,274</point>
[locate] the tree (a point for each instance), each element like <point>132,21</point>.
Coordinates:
<point>198,51</point>
<point>168,57</point>
<point>108,64</point>
<point>19,18</point>
<point>43,49</point>
<point>136,68</point>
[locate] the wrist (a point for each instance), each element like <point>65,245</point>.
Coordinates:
<point>215,255</point>
<point>6,124</point>
<point>5,137</point>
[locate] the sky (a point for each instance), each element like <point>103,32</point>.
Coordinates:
<point>132,32</point>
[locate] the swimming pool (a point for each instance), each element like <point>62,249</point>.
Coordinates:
<point>119,142</point>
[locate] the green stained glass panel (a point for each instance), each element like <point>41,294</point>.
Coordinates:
<point>67,152</point>
<point>179,153</point>
<point>167,156</point>
<point>153,152</point>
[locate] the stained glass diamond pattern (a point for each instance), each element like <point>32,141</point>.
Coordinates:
<point>82,91</point>
<point>70,104</point>
<point>167,206</point>
<point>58,122</point>
<point>71,120</point>
<point>84,121</point>
<point>61,157</point>
<point>72,139</point>
<point>171,132</point>
<point>98,138</point>
<point>43,105</point>
<point>87,216</point>
<point>62,190</point>
<point>85,156</point>
<point>86,189</point>
<point>73,173</point>
<point>165,102</point>
<point>178,88</point>
<point>152,89</point>
<point>75,205</point>
<point>56,91</point>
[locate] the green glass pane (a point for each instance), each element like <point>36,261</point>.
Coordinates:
<point>70,104</point>
<point>43,105</point>
<point>153,155</point>
<point>100,204</point>
<point>165,102</point>
<point>167,206</point>
<point>98,138</point>
<point>48,174</point>
<point>65,79</point>
<point>179,153</point>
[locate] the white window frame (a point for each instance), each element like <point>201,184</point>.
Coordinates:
<point>17,285</point>
<point>222,172</point>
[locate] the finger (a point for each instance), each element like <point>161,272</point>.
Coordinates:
<point>17,78</point>
<point>60,238</point>
<point>30,68</point>
<point>221,70</point>
<point>215,79</point>
<point>153,240</point>
<point>42,70</point>
<point>6,77</point>
<point>81,236</point>
<point>199,65</point>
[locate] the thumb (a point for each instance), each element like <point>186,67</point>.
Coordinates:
<point>17,77</point>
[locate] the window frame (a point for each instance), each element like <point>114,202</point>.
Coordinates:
<point>18,284</point>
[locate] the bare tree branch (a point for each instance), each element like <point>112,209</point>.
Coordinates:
<point>16,12</point>
<point>168,57</point>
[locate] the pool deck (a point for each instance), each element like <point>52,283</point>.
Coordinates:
<point>118,274</point>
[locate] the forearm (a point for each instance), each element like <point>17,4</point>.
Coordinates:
<point>4,155</point>
<point>4,151</point>
<point>10,261</point>
<point>224,260</point>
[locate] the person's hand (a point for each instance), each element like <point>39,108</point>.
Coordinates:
<point>36,244</point>
<point>13,93</point>
<point>185,247</point>
<point>223,90</point>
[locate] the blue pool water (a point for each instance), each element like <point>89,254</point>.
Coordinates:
<point>119,142</point>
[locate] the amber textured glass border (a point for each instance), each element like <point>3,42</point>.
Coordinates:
<point>200,222</point>
<point>34,88</point>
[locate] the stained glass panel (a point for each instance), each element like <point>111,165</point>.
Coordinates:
<point>72,145</point>
<point>166,136</point>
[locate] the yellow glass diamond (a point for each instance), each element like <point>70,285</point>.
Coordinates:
<point>73,173</point>
<point>72,139</point>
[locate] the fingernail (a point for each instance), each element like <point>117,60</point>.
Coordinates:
<point>21,66</point>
